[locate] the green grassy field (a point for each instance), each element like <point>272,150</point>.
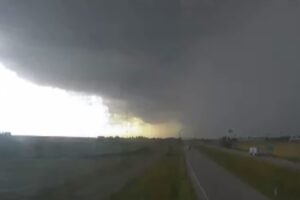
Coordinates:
<point>166,180</point>
<point>85,186</point>
<point>100,182</point>
<point>287,150</point>
<point>262,175</point>
<point>73,168</point>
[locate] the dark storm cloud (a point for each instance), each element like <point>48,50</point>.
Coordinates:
<point>213,64</point>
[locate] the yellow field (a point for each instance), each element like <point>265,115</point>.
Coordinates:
<point>282,149</point>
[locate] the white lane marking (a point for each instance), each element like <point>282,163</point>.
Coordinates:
<point>197,181</point>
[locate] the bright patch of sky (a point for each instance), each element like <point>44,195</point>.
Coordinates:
<point>30,109</point>
<point>26,108</point>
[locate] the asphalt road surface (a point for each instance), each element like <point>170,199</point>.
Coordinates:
<point>212,182</point>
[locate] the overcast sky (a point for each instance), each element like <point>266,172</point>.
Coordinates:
<point>210,64</point>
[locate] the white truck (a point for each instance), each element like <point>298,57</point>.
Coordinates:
<point>253,151</point>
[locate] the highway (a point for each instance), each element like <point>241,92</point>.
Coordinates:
<point>212,182</point>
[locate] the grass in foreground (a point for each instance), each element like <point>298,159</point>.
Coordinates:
<point>166,180</point>
<point>262,175</point>
<point>89,184</point>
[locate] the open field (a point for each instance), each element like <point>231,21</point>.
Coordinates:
<point>167,179</point>
<point>287,150</point>
<point>262,175</point>
<point>56,147</point>
<point>99,183</point>
<point>68,168</point>
<point>22,179</point>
